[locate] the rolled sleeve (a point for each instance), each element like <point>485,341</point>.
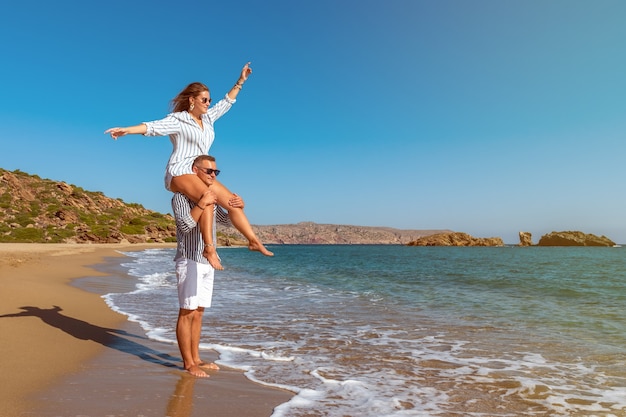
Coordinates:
<point>229,100</point>
<point>166,126</point>
<point>220,108</point>
<point>182,213</point>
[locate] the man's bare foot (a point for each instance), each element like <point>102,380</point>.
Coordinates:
<point>211,255</point>
<point>197,372</point>
<point>208,365</point>
<point>258,246</point>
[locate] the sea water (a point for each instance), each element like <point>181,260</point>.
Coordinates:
<point>410,331</point>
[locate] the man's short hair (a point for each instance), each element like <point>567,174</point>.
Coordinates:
<point>203,158</point>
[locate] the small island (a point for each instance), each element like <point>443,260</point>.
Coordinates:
<point>455,239</point>
<point>574,238</point>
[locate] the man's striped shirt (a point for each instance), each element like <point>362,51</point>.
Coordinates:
<point>188,235</point>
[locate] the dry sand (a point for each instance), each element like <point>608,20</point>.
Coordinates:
<point>65,353</point>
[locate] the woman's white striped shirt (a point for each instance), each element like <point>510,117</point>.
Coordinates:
<point>188,138</point>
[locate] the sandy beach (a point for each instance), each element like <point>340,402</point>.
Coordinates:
<point>65,352</point>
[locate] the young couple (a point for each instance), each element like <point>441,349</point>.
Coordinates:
<point>190,174</point>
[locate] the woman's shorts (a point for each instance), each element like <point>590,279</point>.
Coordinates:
<point>177,169</point>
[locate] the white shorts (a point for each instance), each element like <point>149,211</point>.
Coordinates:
<point>184,167</point>
<point>195,284</point>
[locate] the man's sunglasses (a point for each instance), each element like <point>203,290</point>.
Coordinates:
<point>209,171</point>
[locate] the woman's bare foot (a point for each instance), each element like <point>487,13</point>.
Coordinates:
<point>197,372</point>
<point>258,246</point>
<point>211,255</point>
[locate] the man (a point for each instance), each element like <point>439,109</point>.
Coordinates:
<point>193,271</point>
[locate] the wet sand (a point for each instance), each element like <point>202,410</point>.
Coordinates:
<point>64,352</point>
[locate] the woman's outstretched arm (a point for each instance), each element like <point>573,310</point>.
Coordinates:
<point>117,132</point>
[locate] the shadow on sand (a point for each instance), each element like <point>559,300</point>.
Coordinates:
<point>111,338</point>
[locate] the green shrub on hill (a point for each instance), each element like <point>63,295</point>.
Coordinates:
<point>27,234</point>
<point>42,210</point>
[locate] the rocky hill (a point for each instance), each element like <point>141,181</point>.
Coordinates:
<point>33,209</point>
<point>456,239</point>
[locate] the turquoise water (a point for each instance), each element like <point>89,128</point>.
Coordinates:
<point>411,331</point>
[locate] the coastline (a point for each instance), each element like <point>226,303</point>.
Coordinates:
<point>63,345</point>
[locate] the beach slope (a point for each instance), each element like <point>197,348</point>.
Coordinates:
<point>64,352</point>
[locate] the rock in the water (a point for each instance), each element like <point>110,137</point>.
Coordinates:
<point>456,239</point>
<point>525,239</point>
<point>574,238</point>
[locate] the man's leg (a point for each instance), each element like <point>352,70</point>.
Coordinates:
<point>187,339</point>
<point>196,329</point>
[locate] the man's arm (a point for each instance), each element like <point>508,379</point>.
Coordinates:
<point>186,213</point>
<point>181,207</point>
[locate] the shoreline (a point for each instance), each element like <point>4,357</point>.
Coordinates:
<point>64,349</point>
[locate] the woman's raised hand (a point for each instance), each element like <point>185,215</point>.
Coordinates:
<point>245,72</point>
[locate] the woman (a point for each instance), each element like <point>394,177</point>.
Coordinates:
<point>190,128</point>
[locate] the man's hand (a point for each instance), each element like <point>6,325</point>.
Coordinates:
<point>207,199</point>
<point>236,202</point>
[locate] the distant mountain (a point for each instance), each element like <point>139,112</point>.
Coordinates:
<point>334,234</point>
<point>33,209</point>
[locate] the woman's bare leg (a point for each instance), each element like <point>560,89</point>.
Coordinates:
<point>206,228</point>
<point>238,218</point>
<point>194,189</point>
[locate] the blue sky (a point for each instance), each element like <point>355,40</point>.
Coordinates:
<point>486,117</point>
